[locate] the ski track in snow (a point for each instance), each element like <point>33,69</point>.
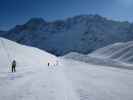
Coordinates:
<point>94,82</point>
<point>71,80</point>
<point>37,83</point>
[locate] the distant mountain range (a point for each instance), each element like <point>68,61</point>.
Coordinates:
<point>83,34</point>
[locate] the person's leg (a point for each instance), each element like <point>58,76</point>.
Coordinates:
<point>12,68</point>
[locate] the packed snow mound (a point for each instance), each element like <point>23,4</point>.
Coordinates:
<point>118,51</point>
<point>24,55</point>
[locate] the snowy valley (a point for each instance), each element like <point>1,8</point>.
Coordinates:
<point>67,77</point>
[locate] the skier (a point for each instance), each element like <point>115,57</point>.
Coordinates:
<point>14,66</point>
<point>48,63</point>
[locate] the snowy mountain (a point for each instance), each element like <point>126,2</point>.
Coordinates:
<point>118,51</point>
<point>65,80</point>
<point>96,60</point>
<point>117,54</point>
<point>2,33</point>
<point>82,34</point>
<point>24,55</point>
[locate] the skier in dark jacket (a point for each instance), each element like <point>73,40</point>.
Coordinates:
<point>48,63</point>
<point>14,66</point>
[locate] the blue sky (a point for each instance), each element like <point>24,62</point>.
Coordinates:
<point>13,12</point>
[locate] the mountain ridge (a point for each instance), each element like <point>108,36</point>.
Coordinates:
<point>83,34</point>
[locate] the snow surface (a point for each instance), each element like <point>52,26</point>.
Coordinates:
<point>64,79</point>
<point>94,82</point>
<point>119,51</point>
<point>98,60</point>
<point>34,80</point>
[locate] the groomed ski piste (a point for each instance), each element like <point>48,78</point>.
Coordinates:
<point>64,79</point>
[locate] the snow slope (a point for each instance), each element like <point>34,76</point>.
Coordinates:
<point>23,54</point>
<point>94,82</point>
<point>96,60</point>
<point>34,80</point>
<point>65,80</point>
<point>119,51</point>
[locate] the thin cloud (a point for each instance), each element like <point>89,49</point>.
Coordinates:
<point>126,3</point>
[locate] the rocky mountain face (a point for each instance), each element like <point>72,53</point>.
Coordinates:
<point>2,33</point>
<point>82,34</point>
